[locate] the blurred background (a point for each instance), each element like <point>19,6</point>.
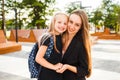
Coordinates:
<point>23,21</point>
<point>36,14</point>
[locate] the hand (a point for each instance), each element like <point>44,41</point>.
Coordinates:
<point>58,66</point>
<point>62,69</point>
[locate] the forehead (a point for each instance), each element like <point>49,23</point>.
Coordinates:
<point>75,18</point>
<point>61,16</point>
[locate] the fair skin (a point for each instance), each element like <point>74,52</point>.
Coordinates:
<point>74,24</point>
<point>60,27</point>
<point>60,24</point>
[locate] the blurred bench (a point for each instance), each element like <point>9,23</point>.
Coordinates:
<point>38,32</point>
<point>26,35</point>
<point>7,46</point>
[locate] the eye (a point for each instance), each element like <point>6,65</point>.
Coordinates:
<point>71,21</point>
<point>59,21</point>
<point>77,24</point>
<point>65,23</point>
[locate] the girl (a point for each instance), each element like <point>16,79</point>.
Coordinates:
<point>57,27</point>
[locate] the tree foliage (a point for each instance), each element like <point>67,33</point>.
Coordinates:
<point>97,16</point>
<point>40,10</point>
<point>108,13</point>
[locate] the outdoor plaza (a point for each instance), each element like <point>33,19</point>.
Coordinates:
<point>19,33</point>
<point>105,56</point>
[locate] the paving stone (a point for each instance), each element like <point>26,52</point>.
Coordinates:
<point>105,56</point>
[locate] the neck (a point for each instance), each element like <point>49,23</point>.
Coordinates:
<point>66,41</point>
<point>56,33</point>
<point>70,36</point>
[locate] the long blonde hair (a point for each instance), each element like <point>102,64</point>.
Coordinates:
<point>84,32</point>
<point>52,27</point>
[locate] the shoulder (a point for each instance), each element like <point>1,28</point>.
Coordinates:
<point>45,39</point>
<point>45,35</point>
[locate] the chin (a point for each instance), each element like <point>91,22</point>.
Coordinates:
<point>71,32</point>
<point>61,31</point>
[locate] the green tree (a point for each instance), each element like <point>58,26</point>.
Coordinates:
<point>12,5</point>
<point>10,24</point>
<point>2,14</point>
<point>40,10</point>
<point>108,13</point>
<point>96,18</point>
<point>112,14</point>
<point>116,11</point>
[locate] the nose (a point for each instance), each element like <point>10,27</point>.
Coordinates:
<point>63,25</point>
<point>72,26</point>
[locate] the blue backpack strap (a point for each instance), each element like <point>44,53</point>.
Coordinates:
<point>50,48</point>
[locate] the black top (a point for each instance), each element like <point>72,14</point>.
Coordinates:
<point>76,55</point>
<point>55,57</point>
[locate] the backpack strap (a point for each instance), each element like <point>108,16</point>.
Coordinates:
<point>50,48</point>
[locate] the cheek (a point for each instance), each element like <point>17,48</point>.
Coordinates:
<point>56,27</point>
<point>68,26</point>
<point>77,29</point>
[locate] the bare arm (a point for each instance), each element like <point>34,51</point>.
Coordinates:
<point>42,61</point>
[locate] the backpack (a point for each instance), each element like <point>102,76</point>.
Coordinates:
<point>34,67</point>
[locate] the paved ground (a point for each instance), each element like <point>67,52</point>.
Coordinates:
<point>105,55</point>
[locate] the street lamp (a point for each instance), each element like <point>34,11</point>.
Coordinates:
<point>16,27</point>
<point>81,7</point>
<point>16,23</point>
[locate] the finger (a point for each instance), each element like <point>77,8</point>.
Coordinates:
<point>58,71</point>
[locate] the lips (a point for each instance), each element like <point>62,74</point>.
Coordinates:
<point>62,29</point>
<point>70,30</point>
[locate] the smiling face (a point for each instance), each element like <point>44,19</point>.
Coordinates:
<point>61,22</point>
<point>74,24</point>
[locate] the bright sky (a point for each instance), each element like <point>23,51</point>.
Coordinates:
<point>92,3</point>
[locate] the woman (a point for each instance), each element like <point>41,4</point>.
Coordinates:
<point>76,48</point>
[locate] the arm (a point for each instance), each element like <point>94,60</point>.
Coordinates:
<point>42,61</point>
<point>82,68</point>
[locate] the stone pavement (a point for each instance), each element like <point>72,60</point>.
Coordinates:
<point>105,55</point>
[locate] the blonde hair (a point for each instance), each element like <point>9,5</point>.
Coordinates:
<point>52,27</point>
<point>84,32</point>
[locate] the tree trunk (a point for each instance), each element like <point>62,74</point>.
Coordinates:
<point>3,17</point>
